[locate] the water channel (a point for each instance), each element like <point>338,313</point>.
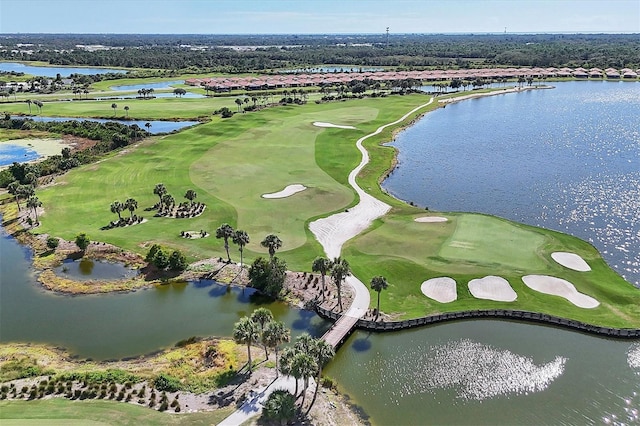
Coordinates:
<point>472,372</point>
<point>157,126</point>
<point>53,71</point>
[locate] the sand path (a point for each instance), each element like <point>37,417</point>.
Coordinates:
<point>335,230</point>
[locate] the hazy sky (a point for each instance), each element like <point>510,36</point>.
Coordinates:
<point>317,16</point>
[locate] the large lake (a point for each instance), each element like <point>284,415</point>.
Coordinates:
<point>472,372</point>
<point>53,71</point>
<point>566,159</point>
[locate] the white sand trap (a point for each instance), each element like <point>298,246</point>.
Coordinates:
<point>442,289</point>
<point>571,261</point>
<point>430,219</point>
<point>492,288</point>
<point>337,126</point>
<point>287,192</point>
<point>559,287</point>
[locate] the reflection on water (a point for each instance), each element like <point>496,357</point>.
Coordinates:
<point>474,370</point>
<point>566,159</point>
<point>10,153</point>
<point>89,269</point>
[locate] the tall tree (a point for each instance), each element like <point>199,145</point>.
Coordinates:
<point>117,207</point>
<point>303,366</point>
<point>246,331</point>
<point>13,190</point>
<point>33,203</point>
<point>275,334</point>
<point>114,106</point>
<point>241,239</point>
<point>126,110</point>
<point>238,102</point>
<point>225,231</point>
<point>28,101</point>
<point>339,271</point>
<point>322,352</point>
<point>82,241</point>
<point>272,243</point>
<point>378,284</point>
<point>190,195</point>
<point>160,190</point>
<point>321,265</point>
<point>262,316</point>
<point>131,205</point>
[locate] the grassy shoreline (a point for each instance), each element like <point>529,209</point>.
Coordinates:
<point>322,159</point>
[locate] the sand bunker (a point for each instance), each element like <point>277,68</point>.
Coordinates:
<point>430,219</point>
<point>194,235</point>
<point>559,287</point>
<point>322,124</point>
<point>492,288</point>
<point>287,192</point>
<point>442,289</point>
<point>571,261</point>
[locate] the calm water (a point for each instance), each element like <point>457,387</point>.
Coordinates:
<point>121,325</point>
<point>566,159</point>
<point>154,86</point>
<point>10,153</point>
<point>188,95</point>
<point>157,126</point>
<point>89,269</point>
<point>52,71</point>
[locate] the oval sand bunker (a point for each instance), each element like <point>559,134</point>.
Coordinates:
<point>571,261</point>
<point>492,288</point>
<point>559,287</point>
<point>430,219</point>
<point>337,126</point>
<point>442,289</point>
<point>287,192</point>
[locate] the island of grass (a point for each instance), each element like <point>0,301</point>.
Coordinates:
<point>233,162</point>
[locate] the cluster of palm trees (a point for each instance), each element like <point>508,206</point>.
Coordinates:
<point>80,90</point>
<point>25,192</point>
<point>118,207</point>
<point>338,269</point>
<point>37,103</point>
<point>167,204</point>
<point>145,92</point>
<point>304,360</point>
<point>238,237</point>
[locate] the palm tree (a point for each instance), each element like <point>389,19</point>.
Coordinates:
<point>273,243</point>
<point>339,271</point>
<point>28,101</point>
<point>190,195</point>
<point>322,353</point>
<point>321,265</point>
<point>39,105</point>
<point>160,190</point>
<point>114,106</point>
<point>246,331</point>
<point>275,333</point>
<point>33,203</point>
<point>126,110</point>
<point>262,316</point>
<point>13,189</point>
<point>148,126</point>
<point>303,366</point>
<point>168,201</point>
<point>131,204</point>
<point>241,239</point>
<point>225,231</point>
<point>378,284</point>
<point>117,207</point>
<point>238,102</point>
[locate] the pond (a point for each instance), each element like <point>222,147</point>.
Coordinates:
<point>15,153</point>
<point>157,126</point>
<point>187,95</point>
<point>89,269</point>
<point>52,71</point>
<point>154,86</point>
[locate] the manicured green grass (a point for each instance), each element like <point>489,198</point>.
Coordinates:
<point>231,163</point>
<point>60,411</point>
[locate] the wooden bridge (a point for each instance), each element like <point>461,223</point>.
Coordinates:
<point>340,330</point>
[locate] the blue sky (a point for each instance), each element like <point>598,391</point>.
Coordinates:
<point>317,16</point>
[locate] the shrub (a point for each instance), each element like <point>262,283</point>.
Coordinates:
<point>164,382</point>
<point>52,243</point>
<point>280,406</point>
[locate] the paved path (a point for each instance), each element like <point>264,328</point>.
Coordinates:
<point>332,232</point>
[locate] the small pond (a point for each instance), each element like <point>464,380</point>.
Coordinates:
<point>157,126</point>
<point>188,95</point>
<point>89,269</point>
<point>154,86</point>
<point>51,71</point>
<point>15,153</point>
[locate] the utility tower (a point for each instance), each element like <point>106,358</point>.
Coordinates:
<point>387,36</point>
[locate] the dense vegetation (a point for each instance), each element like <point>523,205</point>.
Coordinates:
<point>216,52</point>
